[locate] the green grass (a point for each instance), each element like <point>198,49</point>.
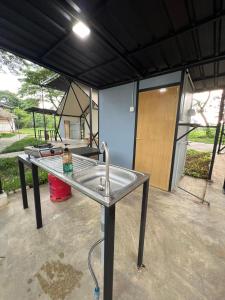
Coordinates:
<point>197,163</point>
<point>9,174</point>
<point>30,131</point>
<point>7,134</point>
<point>19,145</point>
<point>201,135</point>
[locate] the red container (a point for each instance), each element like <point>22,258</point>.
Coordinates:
<point>59,190</point>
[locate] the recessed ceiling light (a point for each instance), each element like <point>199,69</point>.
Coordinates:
<point>81,29</point>
<point>163,90</point>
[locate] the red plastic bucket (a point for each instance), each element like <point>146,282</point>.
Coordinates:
<point>59,190</point>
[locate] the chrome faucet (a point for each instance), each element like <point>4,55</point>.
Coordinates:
<point>104,149</point>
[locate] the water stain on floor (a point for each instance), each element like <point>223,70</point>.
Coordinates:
<point>57,280</point>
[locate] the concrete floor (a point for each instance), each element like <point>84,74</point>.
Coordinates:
<point>184,249</point>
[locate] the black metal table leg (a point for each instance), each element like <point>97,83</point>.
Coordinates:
<point>23,184</point>
<point>143,224</point>
<point>37,201</point>
<point>109,252</point>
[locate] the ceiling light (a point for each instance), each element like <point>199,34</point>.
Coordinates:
<point>163,90</point>
<point>81,29</point>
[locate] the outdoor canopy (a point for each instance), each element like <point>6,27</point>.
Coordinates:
<point>129,40</point>
<point>76,100</point>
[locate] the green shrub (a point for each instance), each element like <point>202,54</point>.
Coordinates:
<point>9,174</point>
<point>7,134</point>
<point>19,145</point>
<point>197,163</point>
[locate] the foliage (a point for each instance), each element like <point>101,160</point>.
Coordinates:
<point>32,77</point>
<point>202,135</point>
<point>10,99</point>
<point>6,134</point>
<point>19,145</point>
<point>11,62</point>
<point>197,163</point>
<point>23,118</point>
<point>9,174</point>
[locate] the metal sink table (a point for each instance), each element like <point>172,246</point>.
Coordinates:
<point>85,178</point>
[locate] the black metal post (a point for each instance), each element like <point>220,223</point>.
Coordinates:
<point>34,124</point>
<point>23,184</point>
<point>37,200</point>
<point>90,112</point>
<point>221,139</point>
<point>109,230</point>
<point>1,189</point>
<point>55,128</point>
<point>143,224</point>
<point>217,135</point>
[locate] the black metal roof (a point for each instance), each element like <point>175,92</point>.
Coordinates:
<point>43,111</point>
<point>129,39</point>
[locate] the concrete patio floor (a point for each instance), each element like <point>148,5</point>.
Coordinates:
<point>184,248</point>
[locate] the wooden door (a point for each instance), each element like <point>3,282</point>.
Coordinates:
<point>67,129</point>
<point>157,111</point>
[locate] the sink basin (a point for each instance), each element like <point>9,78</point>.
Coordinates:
<point>119,178</point>
<point>87,174</point>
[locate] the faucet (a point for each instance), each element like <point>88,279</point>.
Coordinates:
<point>104,149</point>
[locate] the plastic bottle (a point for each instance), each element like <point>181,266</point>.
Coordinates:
<point>67,160</point>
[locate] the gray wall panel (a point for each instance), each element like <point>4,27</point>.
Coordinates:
<point>117,123</point>
<point>161,80</point>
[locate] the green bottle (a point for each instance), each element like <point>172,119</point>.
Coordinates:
<point>67,160</point>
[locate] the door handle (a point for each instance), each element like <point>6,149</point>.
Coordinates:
<point>138,139</point>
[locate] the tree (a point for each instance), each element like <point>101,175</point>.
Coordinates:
<point>23,119</point>
<point>10,99</point>
<point>14,64</point>
<point>32,78</point>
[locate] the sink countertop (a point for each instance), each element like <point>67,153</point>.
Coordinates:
<point>53,165</point>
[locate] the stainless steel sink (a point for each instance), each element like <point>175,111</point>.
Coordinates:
<point>88,174</point>
<point>119,178</point>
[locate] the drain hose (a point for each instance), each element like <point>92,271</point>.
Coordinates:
<point>97,289</point>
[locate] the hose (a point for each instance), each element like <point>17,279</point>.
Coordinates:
<point>97,289</point>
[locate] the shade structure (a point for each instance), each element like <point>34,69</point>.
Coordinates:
<point>129,40</point>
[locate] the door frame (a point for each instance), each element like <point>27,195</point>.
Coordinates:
<point>181,85</point>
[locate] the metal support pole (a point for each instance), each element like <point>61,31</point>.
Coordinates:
<point>186,133</point>
<point>44,119</point>
<point>23,184</point>
<point>37,200</point>
<point>109,230</point>
<point>1,189</point>
<point>91,129</point>
<point>55,128</point>
<point>143,224</point>
<point>217,135</point>
<point>34,124</point>
<point>221,139</point>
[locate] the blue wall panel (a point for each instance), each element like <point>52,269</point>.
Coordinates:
<point>117,123</point>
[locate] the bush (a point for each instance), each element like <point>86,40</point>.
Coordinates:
<point>9,174</point>
<point>197,163</point>
<point>7,134</point>
<point>19,145</point>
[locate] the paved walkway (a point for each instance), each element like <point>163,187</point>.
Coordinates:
<point>5,142</point>
<point>200,146</point>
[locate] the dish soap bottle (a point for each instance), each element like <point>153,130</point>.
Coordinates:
<point>67,160</point>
